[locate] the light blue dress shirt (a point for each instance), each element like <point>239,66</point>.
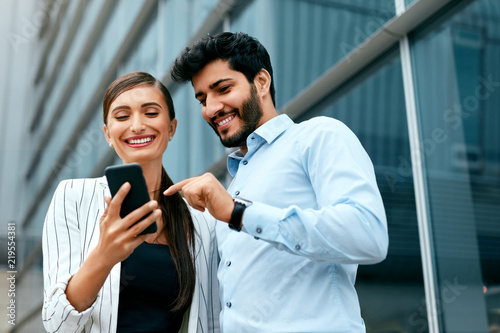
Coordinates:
<point>316,214</point>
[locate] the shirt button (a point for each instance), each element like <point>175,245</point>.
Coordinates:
<point>228,262</point>
<point>237,192</point>
<point>297,247</point>
<point>245,162</point>
<point>253,138</point>
<point>259,230</point>
<point>228,304</point>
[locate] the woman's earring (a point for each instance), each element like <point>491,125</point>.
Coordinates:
<point>110,145</point>
<point>170,139</point>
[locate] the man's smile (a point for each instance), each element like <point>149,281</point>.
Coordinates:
<point>223,122</point>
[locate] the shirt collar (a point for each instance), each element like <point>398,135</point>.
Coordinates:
<point>268,131</point>
<point>274,127</point>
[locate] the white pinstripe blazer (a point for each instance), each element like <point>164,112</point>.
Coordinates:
<point>71,231</point>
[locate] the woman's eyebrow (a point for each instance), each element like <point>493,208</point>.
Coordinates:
<point>120,107</point>
<point>151,104</point>
<point>126,107</point>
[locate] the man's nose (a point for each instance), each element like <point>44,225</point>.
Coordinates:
<point>212,106</point>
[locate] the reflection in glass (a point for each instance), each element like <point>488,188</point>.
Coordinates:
<point>458,91</point>
<point>311,36</point>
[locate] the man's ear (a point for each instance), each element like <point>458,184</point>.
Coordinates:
<point>262,82</point>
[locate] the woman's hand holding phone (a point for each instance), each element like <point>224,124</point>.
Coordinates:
<point>118,239</point>
<point>120,236</point>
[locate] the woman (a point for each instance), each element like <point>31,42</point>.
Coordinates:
<point>100,275</point>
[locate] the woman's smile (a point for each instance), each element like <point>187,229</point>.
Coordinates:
<point>140,141</point>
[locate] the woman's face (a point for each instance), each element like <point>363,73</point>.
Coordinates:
<point>139,126</point>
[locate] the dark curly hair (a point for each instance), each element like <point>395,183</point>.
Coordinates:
<point>244,54</point>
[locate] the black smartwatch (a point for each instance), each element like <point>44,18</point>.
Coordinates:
<point>239,208</point>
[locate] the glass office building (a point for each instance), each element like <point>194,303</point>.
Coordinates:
<point>417,81</point>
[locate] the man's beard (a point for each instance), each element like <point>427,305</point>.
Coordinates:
<point>250,114</point>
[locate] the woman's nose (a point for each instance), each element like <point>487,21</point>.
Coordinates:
<point>137,125</point>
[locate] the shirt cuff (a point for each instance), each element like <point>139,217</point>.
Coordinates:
<point>262,221</point>
<point>59,312</point>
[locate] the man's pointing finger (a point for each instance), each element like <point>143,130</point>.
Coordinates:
<point>177,187</point>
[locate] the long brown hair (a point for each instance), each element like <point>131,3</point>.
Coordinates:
<point>178,225</point>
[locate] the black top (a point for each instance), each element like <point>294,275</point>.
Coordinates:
<point>148,286</point>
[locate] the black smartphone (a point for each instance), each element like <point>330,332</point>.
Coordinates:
<point>138,195</point>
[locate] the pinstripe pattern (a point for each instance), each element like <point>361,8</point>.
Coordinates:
<point>71,231</point>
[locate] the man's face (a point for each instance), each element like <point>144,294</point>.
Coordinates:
<point>229,103</point>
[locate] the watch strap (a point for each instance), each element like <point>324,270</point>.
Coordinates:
<point>237,215</point>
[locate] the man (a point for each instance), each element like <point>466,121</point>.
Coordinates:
<point>306,208</point>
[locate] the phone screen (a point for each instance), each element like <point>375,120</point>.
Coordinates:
<point>138,195</point>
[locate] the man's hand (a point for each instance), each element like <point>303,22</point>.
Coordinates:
<point>207,192</point>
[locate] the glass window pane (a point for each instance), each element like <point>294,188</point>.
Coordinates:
<point>144,55</point>
<point>409,2</point>
<point>391,293</point>
<point>457,77</point>
<point>311,36</point>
